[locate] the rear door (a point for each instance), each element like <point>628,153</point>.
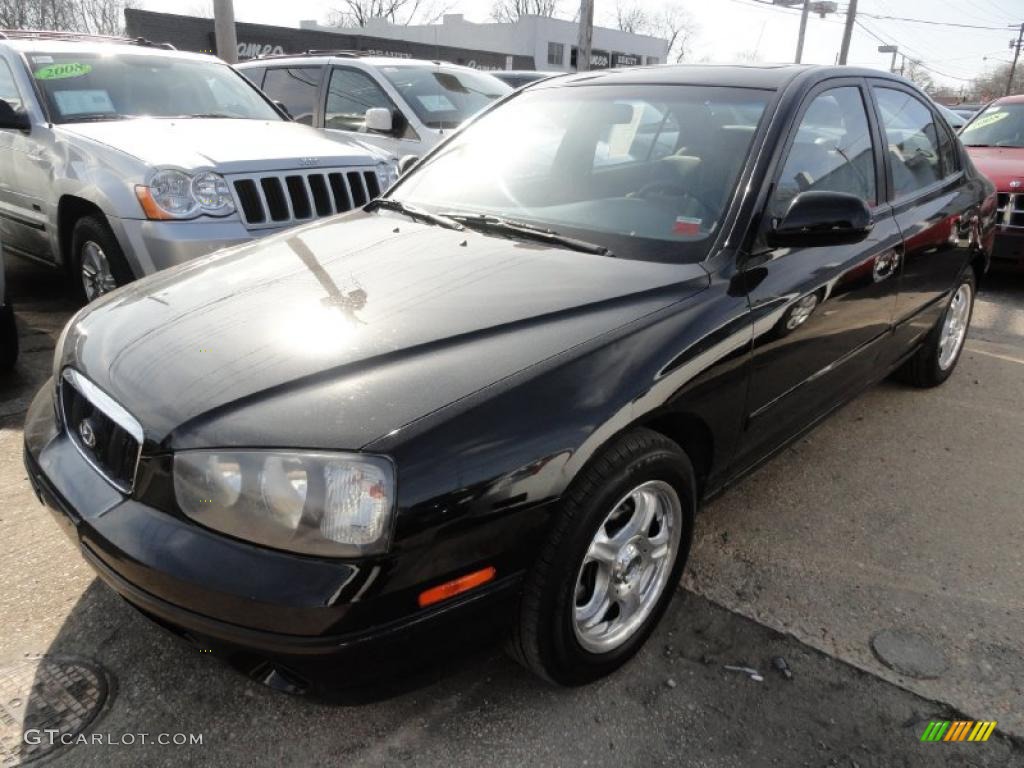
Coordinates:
<point>819,313</point>
<point>932,203</point>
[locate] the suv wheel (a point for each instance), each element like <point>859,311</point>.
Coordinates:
<point>611,564</point>
<point>98,264</point>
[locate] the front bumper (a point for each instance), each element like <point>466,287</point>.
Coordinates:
<point>261,609</point>
<point>151,246</point>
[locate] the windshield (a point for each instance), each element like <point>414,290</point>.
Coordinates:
<point>645,171</point>
<point>96,86</point>
<point>443,97</point>
<point>1001,125</point>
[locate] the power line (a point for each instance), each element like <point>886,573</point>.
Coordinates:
<point>958,25</point>
<point>920,63</point>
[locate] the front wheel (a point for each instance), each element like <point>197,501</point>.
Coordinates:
<point>98,264</point>
<point>934,362</point>
<point>611,564</point>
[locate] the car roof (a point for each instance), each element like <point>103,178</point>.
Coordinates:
<point>764,76</point>
<point>49,45</point>
<point>373,61</point>
<point>1016,99</point>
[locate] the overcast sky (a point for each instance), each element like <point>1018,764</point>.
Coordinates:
<point>730,28</point>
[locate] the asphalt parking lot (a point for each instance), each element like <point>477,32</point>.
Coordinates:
<point>901,513</point>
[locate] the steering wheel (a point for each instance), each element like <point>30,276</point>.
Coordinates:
<point>669,188</point>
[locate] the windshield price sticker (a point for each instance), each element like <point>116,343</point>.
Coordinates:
<point>988,119</point>
<point>61,71</point>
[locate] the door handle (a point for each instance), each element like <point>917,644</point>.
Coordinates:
<point>886,265</point>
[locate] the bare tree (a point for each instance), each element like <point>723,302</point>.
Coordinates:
<point>992,84</point>
<point>356,13</point>
<point>671,22</point>
<point>102,17</point>
<point>916,73</point>
<point>511,10</point>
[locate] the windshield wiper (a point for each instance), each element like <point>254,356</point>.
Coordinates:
<point>92,117</point>
<point>413,212</point>
<point>498,225</point>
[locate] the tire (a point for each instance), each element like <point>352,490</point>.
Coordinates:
<point>88,233</point>
<point>8,338</point>
<point>928,367</point>
<point>546,636</point>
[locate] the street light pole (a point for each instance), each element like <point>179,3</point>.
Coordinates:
<point>586,37</point>
<point>803,31</point>
<point>1016,56</point>
<point>224,30</point>
<point>851,15</point>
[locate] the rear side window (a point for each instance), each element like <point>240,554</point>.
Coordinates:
<point>913,136</point>
<point>8,88</point>
<point>296,88</point>
<point>832,150</point>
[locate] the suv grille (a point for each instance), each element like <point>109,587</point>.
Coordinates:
<point>1010,209</point>
<point>277,200</point>
<point>106,434</point>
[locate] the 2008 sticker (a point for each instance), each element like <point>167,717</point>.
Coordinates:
<point>61,71</point>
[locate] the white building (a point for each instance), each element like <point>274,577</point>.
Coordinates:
<point>551,43</point>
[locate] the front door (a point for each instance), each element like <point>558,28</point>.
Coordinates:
<point>350,93</point>
<point>819,311</point>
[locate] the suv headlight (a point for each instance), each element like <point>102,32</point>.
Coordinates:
<point>174,194</point>
<point>333,504</point>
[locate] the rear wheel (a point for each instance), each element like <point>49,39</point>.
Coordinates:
<point>611,564</point>
<point>98,265</point>
<point>934,362</point>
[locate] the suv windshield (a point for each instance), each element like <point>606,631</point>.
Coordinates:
<point>443,97</point>
<point>1001,125</point>
<point>645,171</point>
<point>101,86</point>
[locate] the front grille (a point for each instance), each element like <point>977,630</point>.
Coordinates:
<point>1010,209</point>
<point>106,434</point>
<point>275,200</point>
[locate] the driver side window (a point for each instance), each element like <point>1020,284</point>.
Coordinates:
<point>349,94</point>
<point>832,151</point>
<point>8,88</point>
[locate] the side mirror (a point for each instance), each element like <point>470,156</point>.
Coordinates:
<point>821,218</point>
<point>13,119</point>
<point>379,120</point>
<point>406,163</point>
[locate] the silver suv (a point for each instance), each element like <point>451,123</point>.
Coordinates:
<point>403,106</point>
<point>118,159</point>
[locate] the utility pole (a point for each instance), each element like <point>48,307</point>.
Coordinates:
<point>586,37</point>
<point>1016,56</point>
<point>851,15</point>
<point>224,30</point>
<point>803,31</point>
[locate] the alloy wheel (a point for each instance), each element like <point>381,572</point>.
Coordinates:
<point>97,277</point>
<point>627,566</point>
<point>954,326</point>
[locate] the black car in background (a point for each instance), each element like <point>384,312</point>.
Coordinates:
<point>517,78</point>
<point>496,396</point>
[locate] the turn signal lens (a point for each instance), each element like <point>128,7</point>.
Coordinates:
<point>149,206</point>
<point>456,586</point>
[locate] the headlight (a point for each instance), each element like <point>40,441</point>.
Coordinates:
<point>333,504</point>
<point>174,194</point>
<point>387,174</point>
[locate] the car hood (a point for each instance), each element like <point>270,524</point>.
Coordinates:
<point>1001,164</point>
<point>227,145</point>
<point>336,333</point>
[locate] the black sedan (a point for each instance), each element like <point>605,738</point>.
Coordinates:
<point>495,397</point>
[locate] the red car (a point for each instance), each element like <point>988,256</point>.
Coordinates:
<point>995,141</point>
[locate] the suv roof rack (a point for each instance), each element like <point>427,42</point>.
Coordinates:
<point>346,52</point>
<point>49,34</point>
